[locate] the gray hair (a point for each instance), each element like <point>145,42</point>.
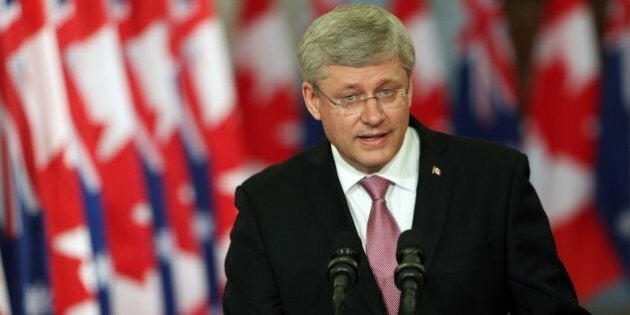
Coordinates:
<point>354,36</point>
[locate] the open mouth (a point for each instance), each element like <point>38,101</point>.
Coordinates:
<point>372,138</point>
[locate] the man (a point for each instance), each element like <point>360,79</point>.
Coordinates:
<point>486,238</point>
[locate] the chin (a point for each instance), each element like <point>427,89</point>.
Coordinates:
<point>372,166</point>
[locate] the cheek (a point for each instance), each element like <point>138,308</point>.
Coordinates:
<point>331,129</point>
<point>402,118</point>
<point>336,129</point>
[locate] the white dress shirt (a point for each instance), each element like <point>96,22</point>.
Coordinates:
<point>402,171</point>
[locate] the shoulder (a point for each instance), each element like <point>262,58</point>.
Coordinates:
<point>466,150</point>
<point>472,156</point>
<point>482,150</point>
<point>289,172</point>
<point>461,148</point>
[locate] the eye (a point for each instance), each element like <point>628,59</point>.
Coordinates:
<point>385,92</point>
<point>350,98</point>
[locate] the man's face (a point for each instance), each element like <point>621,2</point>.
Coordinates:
<point>370,138</point>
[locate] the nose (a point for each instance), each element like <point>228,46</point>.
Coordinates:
<point>372,113</point>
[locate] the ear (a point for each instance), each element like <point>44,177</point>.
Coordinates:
<point>311,100</point>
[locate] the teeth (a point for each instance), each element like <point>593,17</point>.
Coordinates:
<point>370,137</point>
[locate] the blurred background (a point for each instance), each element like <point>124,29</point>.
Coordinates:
<point>125,126</point>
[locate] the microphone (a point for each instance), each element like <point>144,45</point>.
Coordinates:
<point>343,268</point>
<point>410,274</point>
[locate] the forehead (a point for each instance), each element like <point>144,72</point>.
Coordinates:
<point>390,70</point>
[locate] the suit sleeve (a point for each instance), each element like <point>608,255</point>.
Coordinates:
<point>251,287</point>
<point>537,279</point>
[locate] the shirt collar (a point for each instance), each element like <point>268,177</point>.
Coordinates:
<point>402,170</point>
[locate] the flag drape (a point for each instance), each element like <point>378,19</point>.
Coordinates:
<point>106,122</point>
<point>34,96</point>
<point>268,99</point>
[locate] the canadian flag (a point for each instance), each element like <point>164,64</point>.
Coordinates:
<point>266,76</point>
<point>105,119</point>
<point>22,240</point>
<point>153,75</point>
<point>429,85</point>
<point>561,142</point>
<point>33,88</point>
<point>213,131</point>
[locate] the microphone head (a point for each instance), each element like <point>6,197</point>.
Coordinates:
<point>410,273</point>
<point>409,241</point>
<point>344,256</point>
<point>346,243</point>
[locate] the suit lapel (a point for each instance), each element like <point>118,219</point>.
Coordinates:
<point>435,180</point>
<point>332,210</point>
<point>326,194</point>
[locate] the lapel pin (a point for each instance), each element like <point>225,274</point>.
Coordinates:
<point>436,171</point>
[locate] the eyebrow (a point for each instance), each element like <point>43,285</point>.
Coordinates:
<point>355,86</point>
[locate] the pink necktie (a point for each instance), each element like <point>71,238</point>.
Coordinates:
<point>382,235</point>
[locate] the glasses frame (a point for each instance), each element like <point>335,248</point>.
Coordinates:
<point>362,98</point>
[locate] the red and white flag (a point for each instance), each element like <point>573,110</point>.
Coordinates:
<point>430,89</point>
<point>561,142</point>
<point>24,256</point>
<point>32,86</point>
<point>266,78</point>
<point>208,87</point>
<point>105,119</point>
<point>152,68</point>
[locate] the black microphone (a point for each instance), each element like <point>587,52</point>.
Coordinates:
<point>343,269</point>
<point>410,273</point>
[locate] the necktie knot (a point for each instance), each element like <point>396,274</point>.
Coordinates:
<point>375,186</point>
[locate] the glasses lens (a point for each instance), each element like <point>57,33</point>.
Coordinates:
<point>387,100</point>
<point>351,107</point>
<point>391,98</point>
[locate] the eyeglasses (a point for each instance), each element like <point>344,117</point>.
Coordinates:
<point>353,103</point>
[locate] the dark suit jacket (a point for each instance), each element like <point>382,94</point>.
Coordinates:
<point>488,243</point>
